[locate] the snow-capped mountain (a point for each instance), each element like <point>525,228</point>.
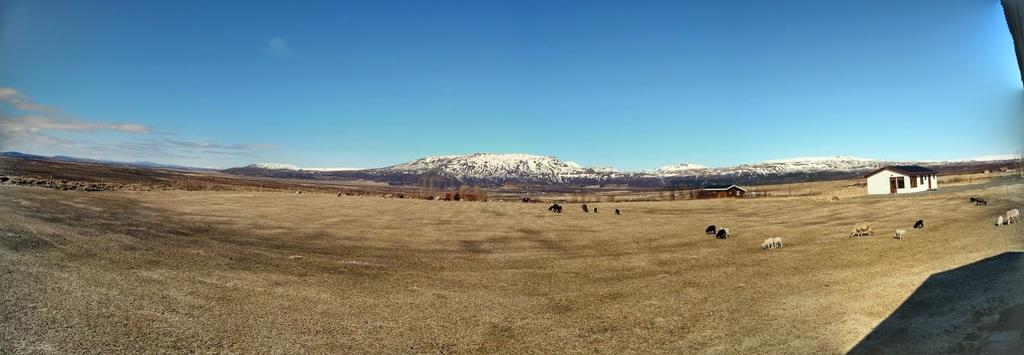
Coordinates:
<point>498,167</point>
<point>678,169</point>
<point>802,165</point>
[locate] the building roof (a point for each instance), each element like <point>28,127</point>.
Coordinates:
<point>1014,11</point>
<point>721,188</point>
<point>904,169</point>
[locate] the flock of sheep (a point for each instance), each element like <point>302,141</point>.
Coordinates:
<point>864,228</point>
<point>1012,216</point>
<point>723,233</point>
<point>859,230</point>
<point>556,208</point>
<point>719,233</point>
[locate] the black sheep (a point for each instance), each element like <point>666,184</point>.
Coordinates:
<point>722,233</point>
<point>919,224</point>
<point>710,230</point>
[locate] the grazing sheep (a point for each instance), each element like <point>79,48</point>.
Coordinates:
<point>616,211</point>
<point>980,202</point>
<point>298,191</point>
<point>556,208</point>
<point>710,230</point>
<point>585,208</point>
<point>999,221</point>
<point>772,243</point>
<point>974,200</point>
<point>722,233</point>
<point>862,229</point>
<point>1013,216</point>
<point>339,193</point>
<point>900,233</point>
<point>919,224</point>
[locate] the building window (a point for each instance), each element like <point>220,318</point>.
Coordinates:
<point>899,183</point>
<point>913,181</point>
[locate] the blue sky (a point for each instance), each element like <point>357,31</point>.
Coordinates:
<point>633,85</point>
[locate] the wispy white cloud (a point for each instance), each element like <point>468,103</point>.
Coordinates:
<point>44,129</point>
<point>36,124</point>
<point>29,127</point>
<point>209,144</point>
<point>278,47</point>
<point>21,102</point>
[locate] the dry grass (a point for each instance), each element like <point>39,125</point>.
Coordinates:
<point>213,271</point>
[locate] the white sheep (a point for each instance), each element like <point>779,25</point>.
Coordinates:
<point>900,233</point>
<point>999,221</point>
<point>772,243</point>
<point>1013,216</point>
<point>862,229</point>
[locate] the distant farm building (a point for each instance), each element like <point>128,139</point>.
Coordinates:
<point>719,191</point>
<point>901,179</point>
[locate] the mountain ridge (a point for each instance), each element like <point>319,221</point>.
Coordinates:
<point>517,168</point>
<point>493,169</point>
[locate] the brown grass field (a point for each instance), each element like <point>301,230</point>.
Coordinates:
<point>235,271</point>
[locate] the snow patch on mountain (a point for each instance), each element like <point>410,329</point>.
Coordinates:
<point>602,169</point>
<point>995,157</point>
<point>276,166</point>
<point>678,169</point>
<point>802,166</point>
<point>273,166</point>
<point>810,160</point>
<point>331,169</point>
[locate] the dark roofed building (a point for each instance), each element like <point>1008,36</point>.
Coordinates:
<point>906,169</point>
<point>718,191</point>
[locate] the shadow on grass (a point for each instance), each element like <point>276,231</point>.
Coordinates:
<point>123,233</point>
<point>951,310</point>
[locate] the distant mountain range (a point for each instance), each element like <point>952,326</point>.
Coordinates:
<point>138,164</point>
<point>488,169</point>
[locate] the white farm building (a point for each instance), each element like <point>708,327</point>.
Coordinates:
<point>901,179</point>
